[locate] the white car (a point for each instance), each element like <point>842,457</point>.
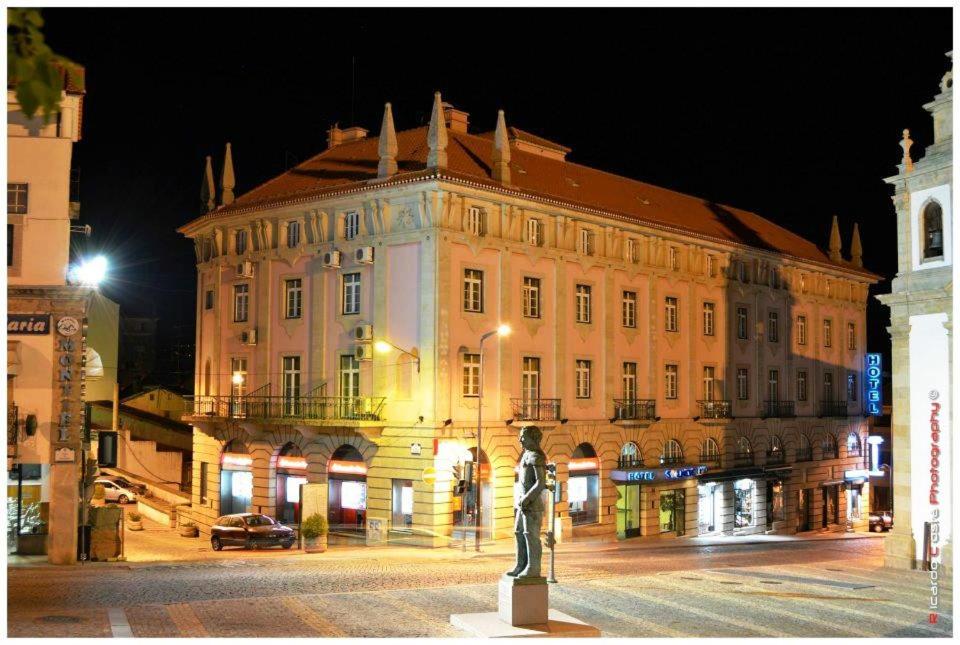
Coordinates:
<point>114,492</point>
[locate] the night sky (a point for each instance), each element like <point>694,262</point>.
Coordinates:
<point>792,113</point>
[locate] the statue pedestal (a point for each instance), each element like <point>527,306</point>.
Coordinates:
<point>523,601</point>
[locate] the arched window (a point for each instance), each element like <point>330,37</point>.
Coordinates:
<point>583,485</point>
<point>710,452</point>
<point>672,452</point>
<point>776,445</point>
<point>743,446</point>
<point>829,446</point>
<point>804,450</point>
<point>853,445</point>
<point>630,456</point>
<point>932,221</point>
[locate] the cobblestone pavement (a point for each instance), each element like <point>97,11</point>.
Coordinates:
<point>827,589</point>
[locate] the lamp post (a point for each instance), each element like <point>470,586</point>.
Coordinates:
<point>502,330</point>
<point>384,346</point>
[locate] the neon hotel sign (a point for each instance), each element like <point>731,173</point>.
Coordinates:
<point>668,474</point>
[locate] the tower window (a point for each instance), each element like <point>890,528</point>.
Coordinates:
<point>932,231</point>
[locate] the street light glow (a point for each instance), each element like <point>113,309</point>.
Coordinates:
<point>237,378</point>
<point>90,272</point>
<point>504,330</point>
<point>382,346</point>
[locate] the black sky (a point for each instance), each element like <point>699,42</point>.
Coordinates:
<point>792,113</point>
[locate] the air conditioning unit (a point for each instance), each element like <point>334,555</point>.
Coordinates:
<point>245,269</point>
<point>364,352</point>
<point>364,255</point>
<point>331,259</point>
<point>249,336</point>
<point>363,332</point>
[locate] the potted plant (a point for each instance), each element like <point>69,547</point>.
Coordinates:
<point>189,529</point>
<point>134,521</point>
<point>314,531</point>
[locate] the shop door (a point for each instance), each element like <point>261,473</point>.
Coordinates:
<point>769,505</point>
<point>672,517</point>
<point>628,511</point>
<point>236,491</point>
<point>803,511</point>
<point>680,512</point>
<point>706,509</point>
<point>830,505</point>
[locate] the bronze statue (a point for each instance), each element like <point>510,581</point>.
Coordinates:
<point>529,505</point>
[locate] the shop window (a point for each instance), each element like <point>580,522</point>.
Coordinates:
<point>744,499</point>
<point>583,487</point>
<point>777,509</point>
<point>402,505</point>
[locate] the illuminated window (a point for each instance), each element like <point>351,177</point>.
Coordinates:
<point>471,375</point>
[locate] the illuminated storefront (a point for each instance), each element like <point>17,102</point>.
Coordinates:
<point>236,479</point>
<point>291,475</point>
<point>583,487</point>
<point>347,501</point>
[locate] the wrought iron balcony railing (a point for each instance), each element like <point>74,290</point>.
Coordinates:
<point>624,463</point>
<point>710,458</point>
<point>829,451</point>
<point>774,456</point>
<point>804,454</point>
<point>779,409</point>
<point>833,408</point>
<point>743,458</point>
<point>308,408</point>
<point>716,409</point>
<point>635,409</point>
<point>671,460</point>
<point>536,409</point>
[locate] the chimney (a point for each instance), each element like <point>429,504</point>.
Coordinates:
<point>334,136</point>
<point>455,119</point>
<point>354,134</point>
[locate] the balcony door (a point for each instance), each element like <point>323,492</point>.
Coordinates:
<point>709,383</point>
<point>530,386</point>
<point>349,383</point>
<point>630,381</point>
<point>291,385</point>
<point>773,386</point>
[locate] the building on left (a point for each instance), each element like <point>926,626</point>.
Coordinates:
<point>46,332</point>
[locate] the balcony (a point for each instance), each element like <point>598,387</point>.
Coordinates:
<point>714,410</point>
<point>833,409</point>
<point>306,408</point>
<point>671,460</point>
<point>710,458</point>
<point>635,409</point>
<point>535,409</point>
<point>779,409</point>
<point>743,458</point>
<point>626,463</point>
<point>804,454</point>
<point>774,457</point>
<point>829,451</point>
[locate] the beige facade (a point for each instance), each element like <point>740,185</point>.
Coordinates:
<point>634,345</point>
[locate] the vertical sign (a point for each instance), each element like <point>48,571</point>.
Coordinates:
<point>873,383</point>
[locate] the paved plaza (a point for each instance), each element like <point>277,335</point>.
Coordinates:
<point>828,588</point>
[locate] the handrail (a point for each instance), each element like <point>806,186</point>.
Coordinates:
<point>779,409</point>
<point>833,408</point>
<point>358,408</point>
<point>535,409</point>
<point>635,409</point>
<point>715,409</point>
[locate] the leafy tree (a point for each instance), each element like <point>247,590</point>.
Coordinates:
<point>34,68</point>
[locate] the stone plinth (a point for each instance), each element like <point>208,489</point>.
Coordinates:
<point>489,625</point>
<point>523,601</point>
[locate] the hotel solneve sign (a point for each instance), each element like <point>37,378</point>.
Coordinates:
<point>663,474</point>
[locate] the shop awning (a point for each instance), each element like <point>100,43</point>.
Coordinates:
<point>754,472</point>
<point>777,470</point>
<point>833,482</point>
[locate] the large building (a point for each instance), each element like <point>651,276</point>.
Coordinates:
<point>920,326</point>
<point>695,368</point>
<point>46,331</point>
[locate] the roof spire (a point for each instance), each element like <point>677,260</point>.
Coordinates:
<point>906,143</point>
<point>388,145</point>
<point>227,181</point>
<point>208,191</point>
<point>835,241</point>
<point>856,250</point>
<point>437,135</point>
<point>501,151</point>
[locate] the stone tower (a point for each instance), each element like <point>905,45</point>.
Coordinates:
<point>920,327</point>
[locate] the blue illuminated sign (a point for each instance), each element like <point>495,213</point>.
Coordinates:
<point>873,384</point>
<point>640,476</point>
<point>670,474</point>
<point>683,473</point>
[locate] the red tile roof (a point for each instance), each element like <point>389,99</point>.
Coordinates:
<point>351,165</point>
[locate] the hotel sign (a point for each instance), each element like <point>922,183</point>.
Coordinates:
<point>873,384</point>
<point>663,474</point>
<point>28,324</point>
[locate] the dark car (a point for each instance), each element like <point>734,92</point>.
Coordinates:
<point>250,531</point>
<point>881,520</point>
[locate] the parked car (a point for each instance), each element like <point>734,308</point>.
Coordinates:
<point>114,492</point>
<point>881,520</point>
<point>139,489</point>
<point>250,531</point>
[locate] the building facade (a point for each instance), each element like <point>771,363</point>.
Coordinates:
<point>695,368</point>
<point>46,331</point>
<point>920,327</point>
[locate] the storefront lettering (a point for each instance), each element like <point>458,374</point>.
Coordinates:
<point>641,475</point>
<point>66,346</point>
<point>669,474</point>
<point>873,397</point>
<point>28,324</point>
<point>683,473</point>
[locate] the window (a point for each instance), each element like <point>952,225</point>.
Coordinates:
<point>674,259</point>
<point>851,336</point>
<point>351,293</point>
<point>853,445</point>
<point>402,519</point>
<point>293,234</point>
<point>351,225</point>
<point>829,447</point>
<point>203,482</point>
<point>827,386</point>
<point>773,327</point>
<point>632,255</point>
<point>801,330</point>
<point>629,309</point>
<point>241,302</point>
<point>11,231</point>
<point>743,446</point>
<point>742,323</point>
<point>474,223</point>
<point>932,231</point>
<point>530,379</point>
<point>671,321</point>
<point>471,374</point>
<point>630,381</point>
<point>583,379</point>
<point>852,386</point>
<point>710,451</point>
<point>801,385</point>
<point>630,456</point>
<point>827,332</point>
<point>583,303</point>
<point>240,241</point>
<point>534,232</point>
<point>586,242</point>
<point>293,296</point>
<point>773,385</point>
<point>804,450</point>
<point>208,299</point>
<point>238,376</point>
<point>672,452</point>
<point>472,290</point>
<point>776,445</point>
<point>743,383</point>
<point>709,383</point>
<point>670,381</point>
<point>708,318</point>
<point>291,385</point>
<point>349,377</point>
<point>711,266</point>
<point>531,297</point>
<point>17,199</point>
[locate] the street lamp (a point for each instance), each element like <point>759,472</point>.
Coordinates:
<point>90,272</point>
<point>384,346</point>
<point>502,330</point>
<point>237,382</point>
